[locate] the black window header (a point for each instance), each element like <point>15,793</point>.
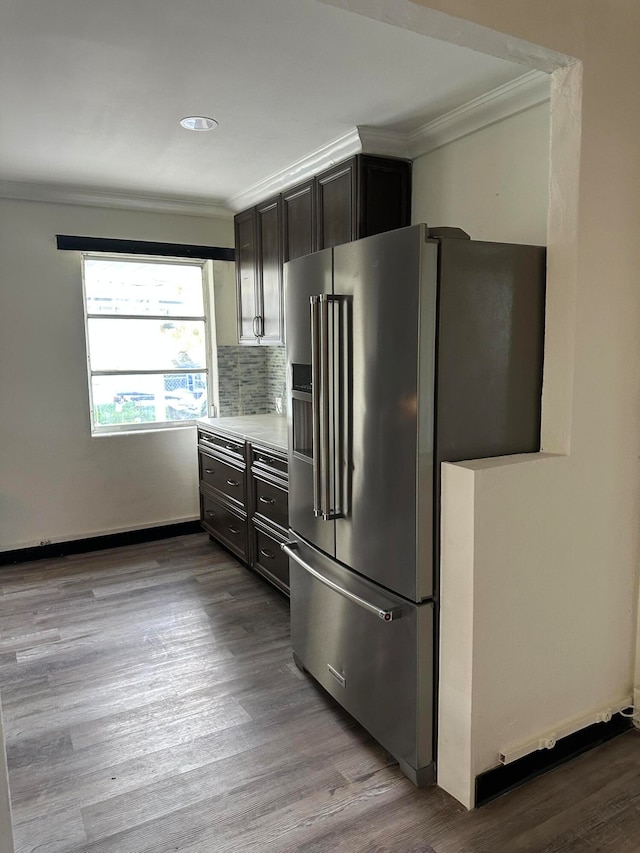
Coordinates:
<point>143,247</point>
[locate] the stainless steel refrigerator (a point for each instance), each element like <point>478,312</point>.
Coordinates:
<point>404,350</point>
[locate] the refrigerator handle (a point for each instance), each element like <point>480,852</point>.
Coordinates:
<point>326,389</point>
<point>315,404</point>
<point>387,615</point>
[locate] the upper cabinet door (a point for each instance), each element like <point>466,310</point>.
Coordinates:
<point>336,201</point>
<point>270,311</point>
<point>383,194</point>
<point>299,220</point>
<point>247,275</point>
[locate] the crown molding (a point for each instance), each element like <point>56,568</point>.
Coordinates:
<point>508,100</point>
<point>312,164</point>
<point>514,97</point>
<point>58,194</point>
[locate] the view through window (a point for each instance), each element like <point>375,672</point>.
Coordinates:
<point>147,342</point>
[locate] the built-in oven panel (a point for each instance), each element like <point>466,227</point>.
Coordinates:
<point>371,650</point>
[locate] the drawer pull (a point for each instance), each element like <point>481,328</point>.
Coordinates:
<point>232,447</point>
<point>264,500</point>
<point>267,553</point>
<point>209,470</point>
<point>232,483</point>
<point>268,460</point>
<point>211,513</point>
<point>233,530</point>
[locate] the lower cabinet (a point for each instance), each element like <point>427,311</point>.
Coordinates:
<point>268,558</point>
<point>244,502</point>
<point>227,525</point>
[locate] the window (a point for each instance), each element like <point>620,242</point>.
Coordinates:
<point>147,342</point>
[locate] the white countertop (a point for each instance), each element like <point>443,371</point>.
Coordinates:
<point>258,429</point>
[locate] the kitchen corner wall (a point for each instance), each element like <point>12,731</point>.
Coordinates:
<point>494,183</point>
<point>540,555</point>
<point>250,379</point>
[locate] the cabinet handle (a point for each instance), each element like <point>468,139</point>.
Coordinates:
<point>267,553</point>
<point>256,329</point>
<point>232,483</point>
<point>264,500</point>
<point>233,530</point>
<point>268,460</point>
<point>210,513</point>
<point>231,447</point>
<point>209,470</point>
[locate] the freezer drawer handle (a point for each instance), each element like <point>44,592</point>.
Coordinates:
<point>386,615</point>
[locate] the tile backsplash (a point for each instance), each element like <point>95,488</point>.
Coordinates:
<point>250,379</point>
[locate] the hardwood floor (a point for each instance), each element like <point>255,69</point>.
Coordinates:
<point>151,705</point>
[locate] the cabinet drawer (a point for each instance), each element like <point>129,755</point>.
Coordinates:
<point>270,559</point>
<point>215,441</point>
<point>271,501</point>
<point>269,460</point>
<point>226,525</point>
<point>226,478</point>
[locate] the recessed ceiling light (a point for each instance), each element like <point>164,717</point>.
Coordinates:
<point>198,123</point>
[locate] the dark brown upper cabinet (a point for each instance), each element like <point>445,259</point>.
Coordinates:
<point>336,206</point>
<point>362,196</point>
<point>246,239</point>
<point>299,220</point>
<point>259,273</point>
<point>271,321</point>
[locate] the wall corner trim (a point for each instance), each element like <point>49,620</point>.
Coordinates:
<point>510,99</point>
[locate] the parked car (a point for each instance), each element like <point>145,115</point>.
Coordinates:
<point>181,405</point>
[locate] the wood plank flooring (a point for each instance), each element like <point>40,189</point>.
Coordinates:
<point>151,705</point>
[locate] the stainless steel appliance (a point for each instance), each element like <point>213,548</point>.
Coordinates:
<point>404,350</point>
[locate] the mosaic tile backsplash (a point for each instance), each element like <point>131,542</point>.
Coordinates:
<point>250,379</point>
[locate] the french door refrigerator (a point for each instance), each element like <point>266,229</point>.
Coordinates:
<point>404,350</point>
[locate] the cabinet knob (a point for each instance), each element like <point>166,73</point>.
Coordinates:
<point>211,513</point>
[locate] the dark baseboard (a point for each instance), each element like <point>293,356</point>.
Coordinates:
<point>493,783</point>
<point>98,543</point>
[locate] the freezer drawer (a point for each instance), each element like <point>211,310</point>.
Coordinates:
<point>371,650</point>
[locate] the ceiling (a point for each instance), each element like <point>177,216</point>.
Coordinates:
<point>91,91</point>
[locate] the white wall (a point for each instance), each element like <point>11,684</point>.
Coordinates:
<point>494,183</point>
<point>58,483</point>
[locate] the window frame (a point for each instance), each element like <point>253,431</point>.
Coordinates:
<point>208,318</point>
